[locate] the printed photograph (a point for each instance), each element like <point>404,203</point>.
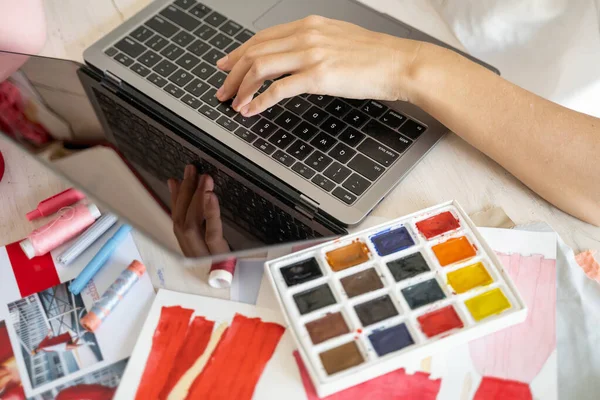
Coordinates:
<point>51,339</point>
<point>97,385</point>
<point>10,380</point>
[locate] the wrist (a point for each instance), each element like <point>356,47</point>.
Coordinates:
<point>416,63</point>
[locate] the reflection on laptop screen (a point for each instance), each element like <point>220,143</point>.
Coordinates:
<point>121,148</point>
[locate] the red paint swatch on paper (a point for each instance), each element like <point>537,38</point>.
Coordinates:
<point>396,385</point>
<point>32,276</point>
<point>438,224</point>
<point>195,343</point>
<point>168,338</point>
<point>238,360</point>
<point>440,321</point>
<point>495,388</point>
<point>87,391</point>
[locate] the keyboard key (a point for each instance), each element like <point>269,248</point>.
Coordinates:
<point>215,19</point>
<point>220,41</point>
<point>173,90</point>
<point>180,18</point>
<point>337,172</point>
<point>351,137</point>
<point>226,109</point>
<point>200,11</point>
<point>333,125</point>
<point>157,80</point>
<point>357,184</point>
<point>183,38</point>
<point>203,71</point>
<point>378,152</point>
<point>185,4</point>
<point>342,153</point>
<point>356,118</point>
<point>246,121</point>
<point>149,58</point>
<point>264,146</point>
<point>209,112</point>
<point>244,35</point>
<point>272,112</point>
<point>124,59</point>
<point>303,170</point>
<point>300,150</point>
<point>297,105</point>
<point>111,51</point>
<point>198,47</point>
<point>412,129</point>
<point>141,34</point>
<point>191,101</point>
<point>366,167</point>
<point>283,158</point>
<point>217,79</point>
<point>197,87</point>
<point>338,108</point>
<point>205,32</point>
<point>157,43</point>
<point>387,136</point>
<point>323,141</point>
<point>264,128</point>
<point>305,131</point>
<point>227,124</point>
<point>181,78</point>
<point>287,120</point>
<point>210,99</point>
<point>232,47</point>
<point>161,26</point>
<point>373,108</point>
<point>187,61</point>
<point>319,99</point>
<point>355,102</point>
<point>281,139</point>
<point>315,115</point>
<point>246,135</point>
<point>318,161</point>
<point>172,52</point>
<point>231,28</point>
<point>213,56</point>
<point>323,182</point>
<point>344,195</point>
<point>140,69</point>
<point>393,119</point>
<point>265,85</point>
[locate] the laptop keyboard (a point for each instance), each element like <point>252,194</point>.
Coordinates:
<point>340,145</point>
<point>166,158</point>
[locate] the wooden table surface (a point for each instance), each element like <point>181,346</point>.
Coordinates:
<point>452,170</point>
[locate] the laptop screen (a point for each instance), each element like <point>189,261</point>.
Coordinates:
<point>121,148</point>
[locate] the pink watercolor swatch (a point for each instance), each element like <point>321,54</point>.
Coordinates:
<point>395,385</point>
<point>588,264</point>
<point>519,353</point>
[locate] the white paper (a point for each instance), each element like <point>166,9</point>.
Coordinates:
<point>279,380</point>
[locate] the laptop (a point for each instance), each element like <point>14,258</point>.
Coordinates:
<point>309,167</point>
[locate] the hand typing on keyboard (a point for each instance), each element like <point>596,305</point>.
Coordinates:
<point>196,215</point>
<point>323,56</point>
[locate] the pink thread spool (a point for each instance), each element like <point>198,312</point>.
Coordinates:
<point>71,222</point>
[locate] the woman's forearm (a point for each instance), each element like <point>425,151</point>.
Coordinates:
<point>553,150</point>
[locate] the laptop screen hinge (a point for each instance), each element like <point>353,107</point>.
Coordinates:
<point>309,206</point>
<point>111,81</point>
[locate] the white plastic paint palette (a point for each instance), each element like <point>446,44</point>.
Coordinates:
<point>365,304</point>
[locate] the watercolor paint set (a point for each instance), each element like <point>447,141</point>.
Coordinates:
<point>365,304</point>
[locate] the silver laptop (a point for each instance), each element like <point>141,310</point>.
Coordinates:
<point>308,167</point>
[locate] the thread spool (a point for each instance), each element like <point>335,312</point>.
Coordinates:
<point>113,296</point>
<point>86,239</point>
<point>71,222</point>
<point>221,273</point>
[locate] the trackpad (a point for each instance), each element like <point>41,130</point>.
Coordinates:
<point>345,10</point>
